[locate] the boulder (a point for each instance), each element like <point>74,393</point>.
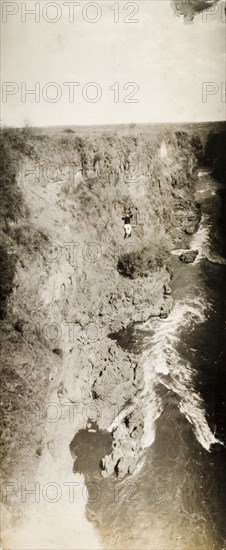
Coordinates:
<point>127,464</point>
<point>133,465</point>
<point>122,468</point>
<point>108,466</point>
<point>167,290</point>
<point>166,307</point>
<point>189,256</point>
<point>190,230</point>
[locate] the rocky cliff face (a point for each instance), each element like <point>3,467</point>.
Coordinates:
<point>63,293</point>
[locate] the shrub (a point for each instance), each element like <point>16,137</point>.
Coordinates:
<point>29,237</point>
<point>11,199</point>
<point>97,157</point>
<point>7,267</point>
<point>140,263</point>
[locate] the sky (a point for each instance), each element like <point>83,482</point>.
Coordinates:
<point>130,62</point>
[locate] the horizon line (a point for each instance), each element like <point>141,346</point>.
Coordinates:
<point>5,125</point>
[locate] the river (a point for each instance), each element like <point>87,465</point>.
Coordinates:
<point>176,499</point>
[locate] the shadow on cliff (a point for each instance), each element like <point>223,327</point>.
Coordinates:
<point>11,207</point>
<point>215,154</point>
<point>215,158</point>
<point>7,268</point>
<point>88,448</point>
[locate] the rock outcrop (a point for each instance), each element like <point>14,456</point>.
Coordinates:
<point>166,307</point>
<point>126,447</point>
<point>189,256</point>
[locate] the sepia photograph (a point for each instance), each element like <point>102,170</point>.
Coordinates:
<point>113,275</point>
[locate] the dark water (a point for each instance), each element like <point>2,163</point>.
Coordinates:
<point>177,497</point>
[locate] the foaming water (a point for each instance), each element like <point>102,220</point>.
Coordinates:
<point>203,243</point>
<point>162,364</point>
<point>201,240</point>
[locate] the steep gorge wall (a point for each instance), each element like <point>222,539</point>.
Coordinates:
<point>215,158</point>
<point>62,294</point>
